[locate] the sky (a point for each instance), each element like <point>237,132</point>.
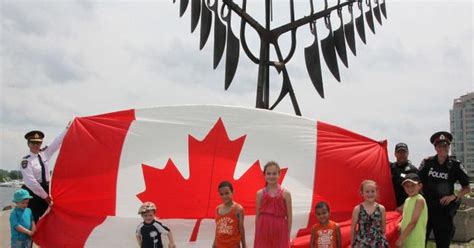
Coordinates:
<point>64,59</point>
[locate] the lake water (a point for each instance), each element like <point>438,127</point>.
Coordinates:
<point>6,196</point>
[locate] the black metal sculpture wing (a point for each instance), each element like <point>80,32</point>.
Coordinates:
<point>332,47</point>
<point>203,13</point>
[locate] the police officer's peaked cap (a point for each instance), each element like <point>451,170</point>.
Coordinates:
<point>35,136</point>
<point>442,136</point>
<point>401,146</point>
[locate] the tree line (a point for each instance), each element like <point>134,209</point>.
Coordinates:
<point>6,176</point>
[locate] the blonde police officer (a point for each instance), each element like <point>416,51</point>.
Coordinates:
<point>35,170</point>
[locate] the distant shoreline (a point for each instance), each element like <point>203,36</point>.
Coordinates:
<point>12,184</point>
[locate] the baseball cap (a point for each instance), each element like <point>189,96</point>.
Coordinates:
<point>401,146</point>
<point>412,177</point>
<point>146,206</point>
<point>21,195</point>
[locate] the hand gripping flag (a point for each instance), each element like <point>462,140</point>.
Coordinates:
<point>176,156</point>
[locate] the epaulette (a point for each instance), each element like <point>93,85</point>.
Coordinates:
<point>44,148</point>
<point>453,162</point>
<point>454,159</point>
<point>423,162</point>
<point>429,158</point>
<point>26,157</point>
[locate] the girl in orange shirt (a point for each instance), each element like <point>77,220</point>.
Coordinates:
<point>229,220</point>
<point>325,233</point>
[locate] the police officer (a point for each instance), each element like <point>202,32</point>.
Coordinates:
<point>438,175</point>
<point>400,169</point>
<point>35,170</point>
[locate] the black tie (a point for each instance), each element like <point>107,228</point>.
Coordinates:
<point>43,170</point>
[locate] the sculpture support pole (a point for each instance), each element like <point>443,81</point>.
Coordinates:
<point>263,81</point>
<point>262,100</point>
<point>266,88</point>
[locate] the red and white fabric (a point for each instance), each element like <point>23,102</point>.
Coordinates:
<point>176,156</point>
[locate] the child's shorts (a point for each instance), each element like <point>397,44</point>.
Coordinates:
<point>21,243</point>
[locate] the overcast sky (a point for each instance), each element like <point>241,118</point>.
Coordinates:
<point>61,59</point>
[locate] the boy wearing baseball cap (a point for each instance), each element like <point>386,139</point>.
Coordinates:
<point>415,214</point>
<point>22,225</point>
<point>149,231</point>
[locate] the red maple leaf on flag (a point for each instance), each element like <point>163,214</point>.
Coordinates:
<point>211,161</point>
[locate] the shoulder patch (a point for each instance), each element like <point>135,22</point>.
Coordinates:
<point>461,166</point>
<point>24,164</point>
<point>44,148</point>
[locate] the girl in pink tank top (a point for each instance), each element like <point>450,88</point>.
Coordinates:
<point>273,216</point>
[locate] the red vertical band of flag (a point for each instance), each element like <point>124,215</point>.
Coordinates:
<point>84,193</point>
<point>343,160</point>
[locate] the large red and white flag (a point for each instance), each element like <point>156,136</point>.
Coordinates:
<point>176,156</point>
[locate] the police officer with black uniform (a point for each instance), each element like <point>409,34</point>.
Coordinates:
<point>438,174</point>
<point>35,170</point>
<point>400,169</point>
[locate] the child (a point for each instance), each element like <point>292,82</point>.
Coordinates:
<point>229,220</point>
<point>21,220</point>
<point>415,214</point>
<point>368,219</point>
<point>326,233</point>
<point>273,211</point>
<point>150,230</point>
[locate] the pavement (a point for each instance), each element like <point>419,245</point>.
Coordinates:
<point>5,234</point>
<point>5,229</point>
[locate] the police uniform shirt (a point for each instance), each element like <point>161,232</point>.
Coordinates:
<point>399,173</point>
<point>31,166</point>
<point>438,180</point>
<point>151,234</point>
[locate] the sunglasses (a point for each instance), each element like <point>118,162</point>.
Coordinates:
<point>35,142</point>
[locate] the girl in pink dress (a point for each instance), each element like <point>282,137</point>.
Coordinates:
<point>273,215</point>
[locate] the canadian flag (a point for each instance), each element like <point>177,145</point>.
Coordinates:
<point>176,156</point>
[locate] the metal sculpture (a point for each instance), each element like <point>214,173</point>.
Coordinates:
<point>332,46</point>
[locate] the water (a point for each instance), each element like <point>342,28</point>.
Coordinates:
<point>6,196</point>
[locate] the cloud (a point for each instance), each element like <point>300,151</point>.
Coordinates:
<point>36,44</point>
